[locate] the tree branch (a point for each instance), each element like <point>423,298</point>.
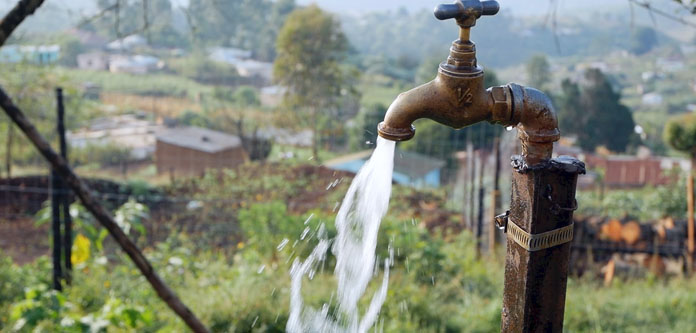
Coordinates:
<point>12,20</point>
<point>652,10</point>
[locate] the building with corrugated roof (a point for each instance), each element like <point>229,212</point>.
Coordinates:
<point>410,168</point>
<point>190,151</point>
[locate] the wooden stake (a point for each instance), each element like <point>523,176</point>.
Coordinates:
<point>690,226</point>
<point>65,193</point>
<point>495,195</point>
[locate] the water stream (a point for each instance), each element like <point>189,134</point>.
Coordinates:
<point>357,225</point>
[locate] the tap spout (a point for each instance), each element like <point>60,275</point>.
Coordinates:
<point>444,99</point>
<point>448,102</point>
<point>409,106</point>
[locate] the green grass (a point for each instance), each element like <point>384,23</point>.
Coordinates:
<point>380,90</point>
<point>158,84</point>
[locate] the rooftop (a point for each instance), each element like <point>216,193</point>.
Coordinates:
<point>200,139</point>
<point>414,165</point>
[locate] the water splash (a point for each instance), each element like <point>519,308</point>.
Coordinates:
<point>357,225</point>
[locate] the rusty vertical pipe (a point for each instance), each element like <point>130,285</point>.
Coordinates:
<point>539,229</point>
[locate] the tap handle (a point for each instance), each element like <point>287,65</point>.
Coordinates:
<point>466,11</point>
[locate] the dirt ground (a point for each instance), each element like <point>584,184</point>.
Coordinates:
<point>22,240</point>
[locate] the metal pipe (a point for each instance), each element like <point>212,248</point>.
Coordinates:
<point>539,223</point>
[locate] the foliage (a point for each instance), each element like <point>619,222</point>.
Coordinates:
<point>680,134</point>
<point>152,18</point>
<point>255,24</point>
<point>364,131</point>
<point>247,291</point>
<point>538,72</point>
<point>153,84</point>
<point>69,49</point>
<point>648,204</point>
<point>594,113</point>
<point>130,215</point>
<point>437,283</point>
<point>265,225</point>
<point>104,155</point>
<point>33,90</point>
<point>201,69</point>
<point>310,49</point>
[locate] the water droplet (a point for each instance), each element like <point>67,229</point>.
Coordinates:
<point>282,244</point>
<point>309,218</point>
<point>254,323</point>
<point>260,270</point>
<point>304,233</point>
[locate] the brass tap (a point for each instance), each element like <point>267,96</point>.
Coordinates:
<point>458,98</point>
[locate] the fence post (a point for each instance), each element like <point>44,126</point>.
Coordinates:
<point>65,192</point>
<point>495,194</point>
<point>481,192</point>
<point>539,229</point>
<point>55,229</point>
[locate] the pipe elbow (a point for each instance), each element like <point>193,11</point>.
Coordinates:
<point>535,117</point>
<point>407,108</point>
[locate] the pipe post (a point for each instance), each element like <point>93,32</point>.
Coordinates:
<point>539,229</point>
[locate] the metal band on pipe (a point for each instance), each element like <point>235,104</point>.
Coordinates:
<point>536,242</point>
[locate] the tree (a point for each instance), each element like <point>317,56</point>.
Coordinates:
<point>538,71</point>
<point>643,40</point>
<point>251,25</point>
<point>680,134</point>
<point>594,113</point>
<point>310,49</point>
<point>570,111</point>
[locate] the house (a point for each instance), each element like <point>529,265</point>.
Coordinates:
<point>118,63</point>
<point>190,151</point>
<point>410,168</point>
<point>630,171</point>
<point>129,130</point>
<point>272,96</point>
<point>241,60</point>
<point>136,64</point>
<point>286,137</point>
<point>229,54</point>
<point>96,61</point>
<point>652,99</point>
<point>253,68</point>
<point>621,171</point>
<point>672,63</point>
<point>127,43</point>
<point>37,54</point>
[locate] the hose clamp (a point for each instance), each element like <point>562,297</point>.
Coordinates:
<point>542,241</point>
